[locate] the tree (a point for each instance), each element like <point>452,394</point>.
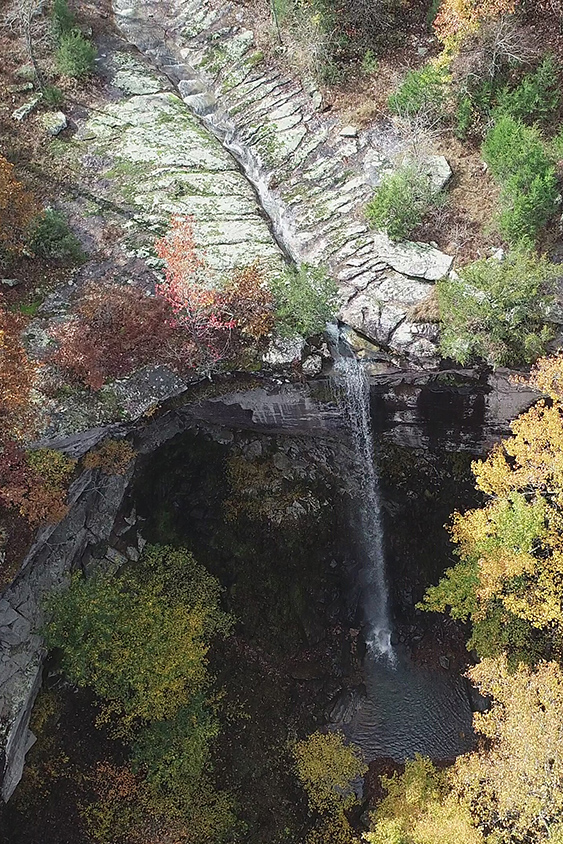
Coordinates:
<point>17,210</point>
<point>326,766</point>
<point>217,318</point>
<point>508,580</point>
<point>514,782</point>
<point>420,808</point>
<point>113,457</point>
<point>498,310</point>
<point>140,638</point>
<point>197,306</point>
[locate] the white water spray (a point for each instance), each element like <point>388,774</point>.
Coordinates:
<point>375,594</point>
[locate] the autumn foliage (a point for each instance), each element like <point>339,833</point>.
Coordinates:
<point>189,324</point>
<point>114,330</point>
<point>214,318</point>
<point>113,457</point>
<point>508,580</point>
<point>17,209</point>
<point>17,377</point>
<point>34,483</point>
<point>457,19</point>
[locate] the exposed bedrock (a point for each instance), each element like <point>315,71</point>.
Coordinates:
<point>313,176</point>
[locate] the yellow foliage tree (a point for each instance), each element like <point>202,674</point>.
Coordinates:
<point>421,808</point>
<point>509,580</point>
<point>326,766</point>
<point>514,783</point>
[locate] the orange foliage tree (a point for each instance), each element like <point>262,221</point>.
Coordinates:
<point>17,209</point>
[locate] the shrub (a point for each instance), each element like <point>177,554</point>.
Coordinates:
<point>527,210</point>
<point>306,299</point>
<point>51,237</point>
<point>17,377</point>
<point>34,483</point>
<point>370,63</point>
<point>401,201</point>
<point>17,210</point>
<point>52,96</point>
<point>518,159</point>
<point>513,149</point>
<point>498,310</point>
<point>421,92</point>
<point>75,54</point>
<point>536,97</point>
<point>464,117</point>
<point>114,330</point>
<point>62,17</point>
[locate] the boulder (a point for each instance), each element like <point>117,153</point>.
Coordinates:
<point>25,110</point>
<point>283,351</point>
<point>54,122</point>
<point>312,365</point>
<point>418,260</point>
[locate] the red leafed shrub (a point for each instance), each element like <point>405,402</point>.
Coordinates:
<point>17,376</point>
<point>114,330</point>
<point>34,483</point>
<point>198,308</point>
<point>214,319</point>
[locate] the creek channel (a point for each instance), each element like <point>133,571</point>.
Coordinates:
<point>401,708</point>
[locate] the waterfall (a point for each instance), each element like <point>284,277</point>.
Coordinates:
<point>375,593</point>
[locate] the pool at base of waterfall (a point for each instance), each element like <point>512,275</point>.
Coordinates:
<point>406,709</point>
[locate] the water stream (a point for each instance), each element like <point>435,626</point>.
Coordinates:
<point>374,592</point>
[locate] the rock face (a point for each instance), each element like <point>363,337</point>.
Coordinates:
<point>93,506</point>
<point>452,410</point>
<point>148,150</point>
<point>313,176</point>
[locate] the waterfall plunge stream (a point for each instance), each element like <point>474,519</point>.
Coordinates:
<point>374,589</point>
<point>404,708</point>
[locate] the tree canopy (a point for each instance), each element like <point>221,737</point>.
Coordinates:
<point>140,639</point>
<point>508,580</point>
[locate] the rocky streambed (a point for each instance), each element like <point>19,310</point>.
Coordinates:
<point>312,174</point>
